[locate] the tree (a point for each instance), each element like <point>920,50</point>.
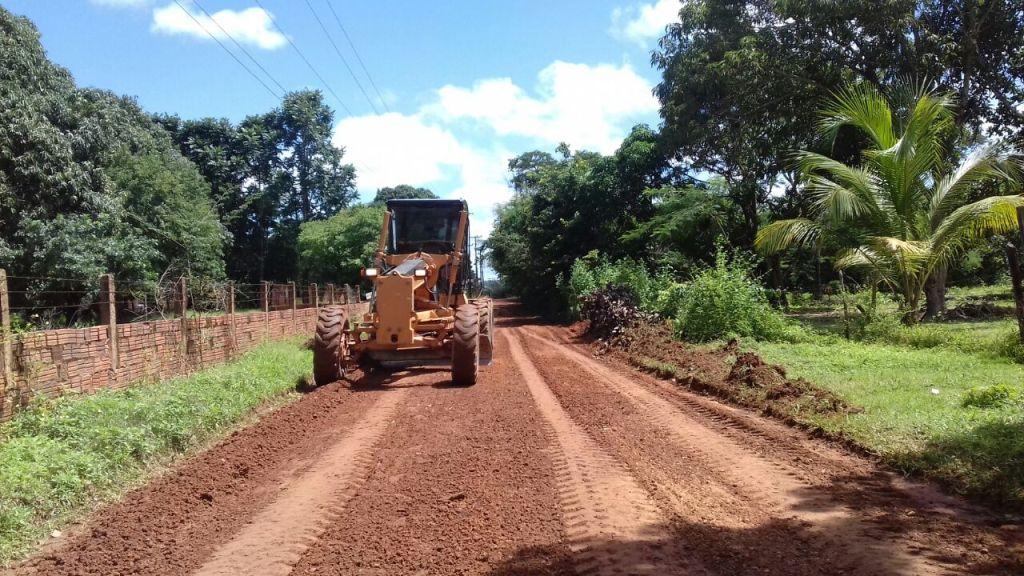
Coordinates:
<point>568,207</point>
<point>686,225</point>
<point>335,249</point>
<point>737,77</point>
<point>269,174</point>
<point>89,184</point>
<point>910,201</point>
<point>402,191</point>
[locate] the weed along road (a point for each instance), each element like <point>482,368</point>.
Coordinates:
<point>556,462</point>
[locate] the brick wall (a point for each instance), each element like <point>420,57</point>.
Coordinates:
<point>54,362</point>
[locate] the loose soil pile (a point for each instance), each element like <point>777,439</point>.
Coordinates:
<point>979,310</point>
<point>622,329</point>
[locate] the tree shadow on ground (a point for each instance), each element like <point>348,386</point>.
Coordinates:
<point>780,547</point>
<point>985,462</point>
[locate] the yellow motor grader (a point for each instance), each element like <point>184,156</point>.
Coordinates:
<point>420,311</point>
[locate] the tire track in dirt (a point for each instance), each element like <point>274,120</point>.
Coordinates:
<point>601,501</point>
<point>461,486</point>
<point>770,483</point>
<point>276,537</point>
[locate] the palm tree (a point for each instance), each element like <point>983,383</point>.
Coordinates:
<point>906,197</point>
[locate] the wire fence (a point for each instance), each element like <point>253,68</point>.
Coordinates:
<point>32,303</point>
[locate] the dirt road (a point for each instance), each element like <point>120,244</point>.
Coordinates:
<point>556,462</point>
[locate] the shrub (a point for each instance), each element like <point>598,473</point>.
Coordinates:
<point>992,396</point>
<point>1011,347</point>
<point>724,300</point>
<point>593,272</point>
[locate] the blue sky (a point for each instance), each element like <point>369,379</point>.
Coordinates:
<point>468,83</point>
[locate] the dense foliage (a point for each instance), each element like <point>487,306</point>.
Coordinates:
<point>268,175</point>
<point>89,183</point>
<point>721,300</point>
<point>742,88</point>
<point>568,206</point>
<point>909,203</point>
<point>402,191</point>
<point>335,249</point>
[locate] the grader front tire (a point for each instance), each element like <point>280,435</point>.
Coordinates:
<point>330,347</point>
<point>466,345</point>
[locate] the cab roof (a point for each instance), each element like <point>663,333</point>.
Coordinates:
<point>427,203</point>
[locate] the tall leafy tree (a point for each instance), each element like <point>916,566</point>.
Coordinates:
<point>89,183</point>
<point>738,76</point>
<point>402,191</point>
<point>565,208</point>
<point>335,249</point>
<point>910,202</point>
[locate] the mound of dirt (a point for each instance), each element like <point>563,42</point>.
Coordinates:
<point>979,310</point>
<point>750,370</point>
<point>727,372</point>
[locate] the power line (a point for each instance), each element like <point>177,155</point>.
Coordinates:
<point>230,53</point>
<point>304,59</point>
<point>358,57</point>
<point>240,47</point>
<point>340,55</point>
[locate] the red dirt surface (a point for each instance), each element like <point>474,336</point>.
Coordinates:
<point>557,462</point>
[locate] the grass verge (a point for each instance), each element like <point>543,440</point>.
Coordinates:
<point>921,410</point>
<point>62,457</point>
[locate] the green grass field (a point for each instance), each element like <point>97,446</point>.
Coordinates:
<point>63,457</point>
<point>919,388</point>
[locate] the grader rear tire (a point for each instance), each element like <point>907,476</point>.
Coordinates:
<point>466,345</point>
<point>486,307</point>
<point>330,345</point>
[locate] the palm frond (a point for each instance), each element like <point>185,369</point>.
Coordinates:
<point>783,234</point>
<point>864,257</point>
<point>994,161</point>
<point>992,215</point>
<point>864,108</point>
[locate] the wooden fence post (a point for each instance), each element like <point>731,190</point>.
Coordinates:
<point>230,305</point>
<point>6,353</point>
<point>329,294</point>
<point>292,298</point>
<point>182,298</point>
<point>348,294</point>
<point>108,316</point>
<point>314,296</point>
<point>265,304</point>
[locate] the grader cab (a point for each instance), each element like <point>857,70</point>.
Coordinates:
<point>420,311</point>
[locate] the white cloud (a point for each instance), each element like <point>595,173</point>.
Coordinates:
<point>121,3</point>
<point>251,26</point>
<point>390,149</point>
<point>585,106</point>
<point>459,143</point>
<point>645,22</point>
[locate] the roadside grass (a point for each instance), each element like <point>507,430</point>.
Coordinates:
<point>969,435</point>
<point>62,457</point>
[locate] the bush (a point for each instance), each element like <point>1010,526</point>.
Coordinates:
<point>724,301</point>
<point>1011,347</point>
<point>593,272</point>
<point>992,396</point>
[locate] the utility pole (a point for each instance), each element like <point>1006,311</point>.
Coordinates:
<point>478,264</point>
